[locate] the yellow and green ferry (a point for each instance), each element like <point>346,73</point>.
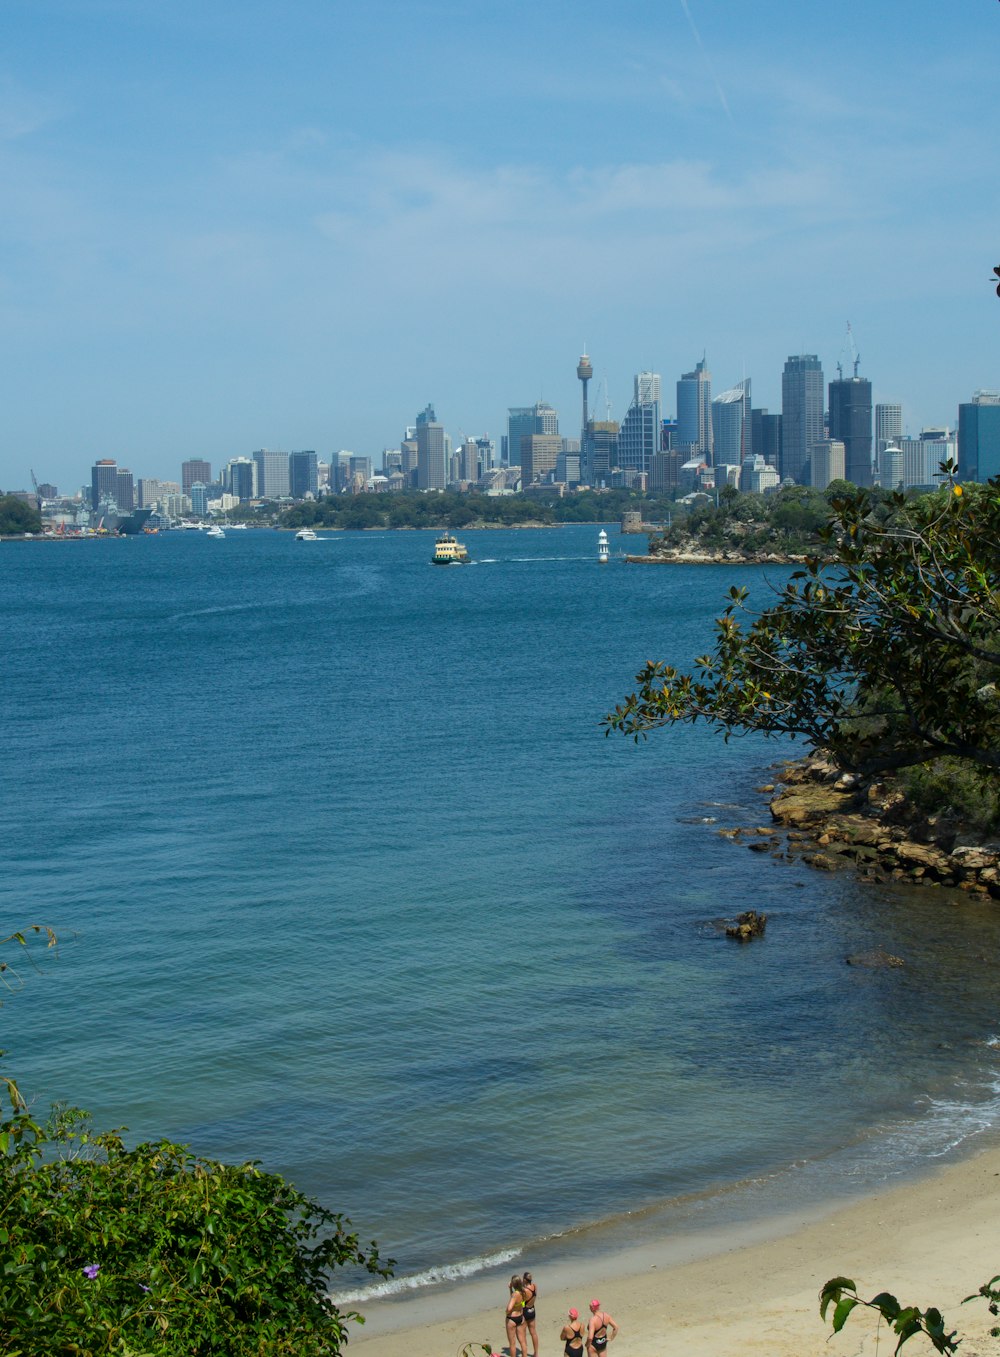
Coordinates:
<point>449,551</point>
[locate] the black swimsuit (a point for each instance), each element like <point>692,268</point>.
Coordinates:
<point>529,1307</point>
<point>571,1351</point>
<point>600,1338</point>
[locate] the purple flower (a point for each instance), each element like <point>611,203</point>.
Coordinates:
<point>143,1288</point>
<point>91,1270</point>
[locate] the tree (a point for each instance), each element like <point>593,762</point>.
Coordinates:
<point>16,516</point>
<point>154,1252</point>
<point>885,654</point>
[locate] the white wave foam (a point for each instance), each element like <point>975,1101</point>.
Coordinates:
<point>434,1276</point>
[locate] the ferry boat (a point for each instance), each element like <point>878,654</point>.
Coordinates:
<point>306,535</point>
<point>448,551</point>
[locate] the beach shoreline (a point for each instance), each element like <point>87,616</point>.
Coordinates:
<point>930,1241</point>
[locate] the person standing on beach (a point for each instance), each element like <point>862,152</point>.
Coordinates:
<point>597,1330</point>
<point>530,1292</point>
<point>516,1328</point>
<point>572,1335</point>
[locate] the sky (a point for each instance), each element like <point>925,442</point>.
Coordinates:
<point>233,224</point>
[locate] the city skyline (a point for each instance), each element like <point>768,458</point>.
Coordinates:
<point>236,226</point>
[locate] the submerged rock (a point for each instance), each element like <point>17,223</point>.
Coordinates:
<point>747,925</point>
<point>876,959</point>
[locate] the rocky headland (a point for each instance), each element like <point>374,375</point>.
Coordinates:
<point>832,820</point>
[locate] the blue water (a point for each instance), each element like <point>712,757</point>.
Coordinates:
<point>348,880</point>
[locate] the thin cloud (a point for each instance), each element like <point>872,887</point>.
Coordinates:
<point>708,60</point>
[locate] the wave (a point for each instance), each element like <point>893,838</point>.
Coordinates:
<point>432,1276</point>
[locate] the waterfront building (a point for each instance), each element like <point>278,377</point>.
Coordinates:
<point>731,431</point>
<point>199,499</point>
<point>147,492</point>
<point>851,422</point>
<point>124,490</point>
<point>979,437</point>
<point>432,457</point>
<point>194,469</point>
<point>640,432</point>
<point>827,461</point>
<point>694,409</point>
<point>103,482</point>
<point>303,474</point>
<point>272,473</point>
<point>801,414</point>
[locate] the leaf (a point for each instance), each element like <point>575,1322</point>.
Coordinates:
<point>844,1308</point>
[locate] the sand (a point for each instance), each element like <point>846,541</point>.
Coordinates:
<point>929,1242</point>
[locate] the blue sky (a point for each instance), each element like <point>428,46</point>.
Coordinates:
<point>234,225</point>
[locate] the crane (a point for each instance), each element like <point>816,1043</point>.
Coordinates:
<point>852,352</point>
<point>38,493</point>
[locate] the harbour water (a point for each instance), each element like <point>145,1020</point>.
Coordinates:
<point>348,880</point>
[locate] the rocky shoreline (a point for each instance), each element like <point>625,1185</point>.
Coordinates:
<point>682,556</point>
<point>832,819</point>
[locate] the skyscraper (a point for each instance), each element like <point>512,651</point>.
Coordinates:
<point>694,410</point>
<point>432,459</point>
<point>639,436</point>
<point>801,414</point>
<point>979,437</point>
<point>124,490</point>
<point>539,453</point>
<point>303,474</point>
<point>195,469</point>
<point>826,461</point>
<point>731,433</point>
<point>103,482</point>
<point>584,371</point>
<point>528,419</point>
<point>272,473</point>
<point>241,478</point>
<point>851,423</point>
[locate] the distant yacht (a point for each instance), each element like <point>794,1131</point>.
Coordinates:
<point>215,531</point>
<point>306,535</point>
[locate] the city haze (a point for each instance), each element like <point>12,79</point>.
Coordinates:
<point>234,226</point>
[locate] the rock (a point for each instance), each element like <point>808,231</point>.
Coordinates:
<point>920,855</point>
<point>820,860</point>
<point>767,787</point>
<point>748,925</point>
<point>973,859</point>
<point>877,958</point>
<point>761,845</point>
<point>803,805</point>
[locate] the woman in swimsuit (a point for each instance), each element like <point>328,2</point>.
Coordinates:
<point>515,1318</point>
<point>530,1292</point>
<point>572,1335</point>
<point>597,1330</point>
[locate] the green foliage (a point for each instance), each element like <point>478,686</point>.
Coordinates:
<point>904,1320</point>
<point>989,1292</point>
<point>16,516</point>
<point>153,1252</point>
<point>886,653</point>
<point>947,786</point>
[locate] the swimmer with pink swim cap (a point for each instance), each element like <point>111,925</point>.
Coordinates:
<point>572,1335</point>
<point>597,1330</point>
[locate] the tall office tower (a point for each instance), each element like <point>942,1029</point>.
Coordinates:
<point>408,455</point>
<point>147,492</point>
<point>469,460</point>
<point>979,437</point>
<point>599,452</point>
<point>539,454</point>
<point>888,427</point>
<point>392,462</point>
<point>528,419</point>
<point>765,436</point>
<point>922,457</point>
<point>199,499</point>
<point>487,454</point>
<point>432,457</point>
<point>851,422</point>
<point>827,460</point>
<point>240,478</point>
<point>103,482</point>
<point>360,466</point>
<point>731,432</point>
<point>801,414</point>
<point>124,490</point>
<point>272,473</point>
<point>639,436</point>
<point>194,470</point>
<point>694,410</point>
<point>303,474</point>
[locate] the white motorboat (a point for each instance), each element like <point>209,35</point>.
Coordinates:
<point>306,535</point>
<point>215,531</point>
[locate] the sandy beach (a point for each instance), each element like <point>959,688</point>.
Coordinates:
<point>929,1242</point>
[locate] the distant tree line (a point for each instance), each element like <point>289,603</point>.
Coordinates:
<point>16,516</point>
